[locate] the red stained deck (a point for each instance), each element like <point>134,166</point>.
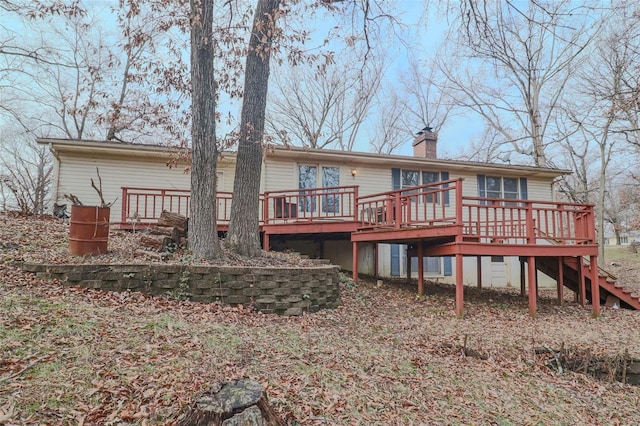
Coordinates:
<point>435,219</point>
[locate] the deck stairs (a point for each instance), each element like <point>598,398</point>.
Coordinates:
<point>626,298</point>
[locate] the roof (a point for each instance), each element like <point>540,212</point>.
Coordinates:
<point>353,158</point>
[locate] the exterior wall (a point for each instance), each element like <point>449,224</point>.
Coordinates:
<point>304,247</point>
<point>506,274</point>
<point>279,174</point>
<point>366,259</point>
<point>626,238</point>
<point>334,251</point>
<point>75,172</point>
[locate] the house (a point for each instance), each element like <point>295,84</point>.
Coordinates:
<point>626,238</point>
<point>469,222</point>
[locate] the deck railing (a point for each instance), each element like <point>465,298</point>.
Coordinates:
<point>527,222</point>
<point>310,205</point>
<point>426,205</point>
<point>483,220</point>
<point>144,205</point>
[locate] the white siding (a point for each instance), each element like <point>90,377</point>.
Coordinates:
<point>373,180</point>
<point>75,175</point>
<point>280,175</point>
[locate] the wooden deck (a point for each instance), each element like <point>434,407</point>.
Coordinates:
<point>435,219</point>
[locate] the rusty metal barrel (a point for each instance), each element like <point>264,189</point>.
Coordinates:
<point>89,230</point>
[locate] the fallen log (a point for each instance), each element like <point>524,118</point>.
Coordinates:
<point>160,243</point>
<point>173,232</point>
<point>238,402</point>
<point>173,220</point>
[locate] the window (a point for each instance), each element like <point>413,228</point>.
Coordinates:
<point>431,177</point>
<point>409,178</point>
<point>510,188</point>
<point>330,178</point>
<point>308,178</point>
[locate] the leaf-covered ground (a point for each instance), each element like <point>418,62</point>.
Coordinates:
<point>76,356</point>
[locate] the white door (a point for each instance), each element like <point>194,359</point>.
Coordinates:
<point>499,272</point>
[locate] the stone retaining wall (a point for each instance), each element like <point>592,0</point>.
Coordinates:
<point>287,291</point>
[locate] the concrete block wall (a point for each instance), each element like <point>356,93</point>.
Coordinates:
<point>286,291</point>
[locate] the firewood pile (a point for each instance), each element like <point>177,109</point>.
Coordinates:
<point>165,237</point>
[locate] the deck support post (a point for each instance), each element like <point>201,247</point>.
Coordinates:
<point>522,278</point>
<point>265,242</point>
<point>595,287</point>
<point>582,283</point>
<point>479,262</point>
<point>459,287</point>
<point>408,266</point>
<point>376,248</point>
<point>560,280</point>
<point>420,269</point>
<point>355,262</point>
<point>531,266</point>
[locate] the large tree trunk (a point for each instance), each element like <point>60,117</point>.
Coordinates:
<point>243,235</point>
<point>203,234</point>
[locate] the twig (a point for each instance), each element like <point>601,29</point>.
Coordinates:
<point>73,199</point>
<point>18,373</point>
<point>556,356</point>
<point>99,190</point>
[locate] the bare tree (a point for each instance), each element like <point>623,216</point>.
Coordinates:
<point>148,99</point>
<point>67,96</point>
<point>600,109</point>
<point>487,148</point>
<point>203,233</point>
<point>519,60</point>
<point>27,175</point>
<point>243,237</point>
<point>325,107</point>
<point>620,208</point>
<point>388,131</point>
<point>426,98</point>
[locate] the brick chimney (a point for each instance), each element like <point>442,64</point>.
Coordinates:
<point>425,143</point>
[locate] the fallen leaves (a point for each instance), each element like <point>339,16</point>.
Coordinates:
<point>382,357</point>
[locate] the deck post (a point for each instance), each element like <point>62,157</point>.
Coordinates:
<point>479,262</point>
<point>376,248</point>
<point>125,206</point>
<point>355,262</point>
<point>408,266</point>
<point>531,266</point>
<point>420,268</point>
<point>582,283</point>
<point>459,287</point>
<point>265,241</point>
<point>560,280</point>
<point>595,287</point>
<point>522,278</point>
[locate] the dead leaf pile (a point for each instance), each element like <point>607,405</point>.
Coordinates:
<point>384,357</point>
